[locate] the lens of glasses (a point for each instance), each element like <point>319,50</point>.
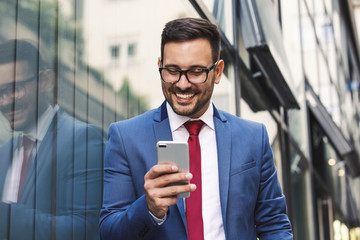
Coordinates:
<point>197,75</point>
<point>169,75</point>
<point>193,75</point>
<point>15,90</point>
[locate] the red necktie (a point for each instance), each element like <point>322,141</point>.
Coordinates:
<point>194,202</point>
<point>27,144</point>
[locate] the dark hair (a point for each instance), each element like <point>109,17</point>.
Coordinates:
<point>184,29</point>
<point>16,50</point>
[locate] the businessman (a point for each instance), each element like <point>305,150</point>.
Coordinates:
<point>51,169</point>
<point>233,185</point>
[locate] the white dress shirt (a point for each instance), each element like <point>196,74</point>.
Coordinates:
<point>211,208</point>
<point>37,134</point>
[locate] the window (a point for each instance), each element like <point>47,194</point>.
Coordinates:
<point>115,52</point>
<point>122,52</point>
<point>132,50</point>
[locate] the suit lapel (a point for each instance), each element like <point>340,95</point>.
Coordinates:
<point>181,208</point>
<point>40,160</point>
<point>223,141</point>
<point>161,127</point>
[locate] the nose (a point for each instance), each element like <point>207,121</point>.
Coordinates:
<point>183,83</point>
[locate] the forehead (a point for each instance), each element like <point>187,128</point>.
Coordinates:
<point>197,51</point>
<point>14,71</point>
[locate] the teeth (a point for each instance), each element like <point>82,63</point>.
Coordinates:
<point>185,96</point>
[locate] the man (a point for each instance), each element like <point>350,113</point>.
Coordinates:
<point>240,197</point>
<point>51,169</point>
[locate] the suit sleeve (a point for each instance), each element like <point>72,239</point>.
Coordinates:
<point>270,214</point>
<point>124,215</point>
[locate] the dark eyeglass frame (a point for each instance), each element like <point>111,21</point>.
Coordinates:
<point>207,70</point>
<point>10,88</point>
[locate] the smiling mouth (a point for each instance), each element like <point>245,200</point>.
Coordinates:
<point>11,116</point>
<point>184,96</point>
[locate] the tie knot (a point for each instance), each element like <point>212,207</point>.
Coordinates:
<point>194,127</point>
<point>27,143</point>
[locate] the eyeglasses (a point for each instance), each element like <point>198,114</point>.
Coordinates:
<point>195,75</point>
<point>15,90</point>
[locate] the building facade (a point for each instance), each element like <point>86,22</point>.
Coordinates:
<point>292,65</point>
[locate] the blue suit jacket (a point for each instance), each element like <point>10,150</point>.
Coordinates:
<point>252,204</point>
<point>62,194</point>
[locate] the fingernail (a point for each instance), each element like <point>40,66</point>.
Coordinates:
<point>188,176</point>
<point>174,168</point>
<point>193,187</point>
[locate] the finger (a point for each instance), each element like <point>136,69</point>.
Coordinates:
<point>174,178</point>
<point>167,179</point>
<point>169,191</point>
<point>174,190</point>
<point>165,202</point>
<point>159,199</point>
<point>160,169</point>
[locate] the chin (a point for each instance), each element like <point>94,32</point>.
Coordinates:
<point>18,126</point>
<point>189,114</point>
<point>183,111</point>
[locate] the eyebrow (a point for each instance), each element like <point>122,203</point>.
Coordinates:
<point>7,86</point>
<point>177,67</point>
<point>14,83</point>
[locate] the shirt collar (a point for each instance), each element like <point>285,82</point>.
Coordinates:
<point>176,120</point>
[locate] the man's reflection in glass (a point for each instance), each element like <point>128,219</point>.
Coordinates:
<point>51,169</point>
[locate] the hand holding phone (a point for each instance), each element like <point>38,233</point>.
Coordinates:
<point>173,168</point>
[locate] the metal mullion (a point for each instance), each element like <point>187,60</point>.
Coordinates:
<point>237,80</point>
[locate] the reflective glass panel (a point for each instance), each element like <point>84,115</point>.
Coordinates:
<point>91,63</point>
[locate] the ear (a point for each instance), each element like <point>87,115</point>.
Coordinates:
<point>47,80</point>
<point>159,62</point>
<point>219,70</point>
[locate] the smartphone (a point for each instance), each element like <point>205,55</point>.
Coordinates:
<point>177,153</point>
